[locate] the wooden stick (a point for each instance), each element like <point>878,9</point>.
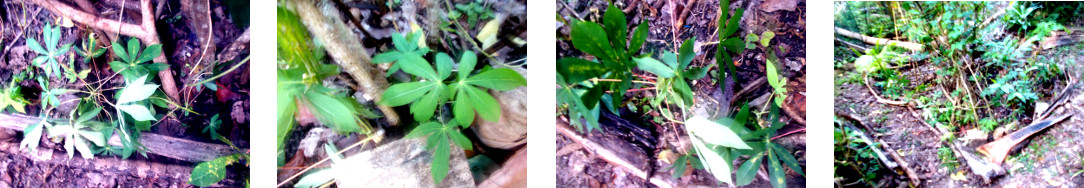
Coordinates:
<point>881,41</point>
<point>346,50</point>
<point>175,148</point>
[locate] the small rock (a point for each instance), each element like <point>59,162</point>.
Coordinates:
<point>239,112</point>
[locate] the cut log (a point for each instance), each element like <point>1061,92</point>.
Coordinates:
<point>345,48</point>
<point>174,148</point>
<point>879,41</point>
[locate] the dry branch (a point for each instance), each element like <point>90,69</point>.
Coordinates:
<point>175,148</point>
<point>343,46</point>
<point>144,31</point>
<point>881,41</point>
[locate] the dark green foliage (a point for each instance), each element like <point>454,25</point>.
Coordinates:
<point>728,42</point>
<point>614,60</point>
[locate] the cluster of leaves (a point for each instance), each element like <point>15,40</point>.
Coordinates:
<point>672,77</point>
<point>777,82</point>
<point>300,85</point>
<point>1012,89</point>
<point>718,143</point>
<point>614,60</point>
<point>431,90</point>
<point>208,173</point>
<point>474,11</point>
<point>13,97</point>
<point>1017,16</point>
<point>727,40</point>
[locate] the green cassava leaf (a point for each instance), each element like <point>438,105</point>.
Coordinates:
<point>441,154</point>
<point>466,64</point>
<point>463,109</point>
<point>713,163</point>
<point>714,133</point>
<point>140,113</point>
<point>616,29</point>
<point>776,175</point>
<point>332,112</point>
<point>404,93</point>
<point>654,66</point>
<point>686,54</point>
<point>444,65</point>
<point>748,170</point>
<point>502,79</point>
<point>137,91</point>
<point>150,53</point>
<point>789,159</point>
<point>211,172</point>
<point>590,38</point>
<point>638,37</point>
<point>425,129</point>
<point>679,166</point>
<point>575,70</point>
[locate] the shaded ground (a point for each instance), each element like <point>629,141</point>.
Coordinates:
<point>637,135</point>
<point>181,48</point>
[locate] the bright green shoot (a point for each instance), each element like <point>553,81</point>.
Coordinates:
<point>405,49</point>
<point>673,73</point>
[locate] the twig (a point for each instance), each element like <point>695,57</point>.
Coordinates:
<point>879,99</point>
<point>788,133</point>
<point>238,65</point>
<point>903,164</point>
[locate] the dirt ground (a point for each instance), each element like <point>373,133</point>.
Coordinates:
<point>635,136</point>
<point>1050,159</point>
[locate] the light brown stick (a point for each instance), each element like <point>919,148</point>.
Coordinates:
<point>880,41</point>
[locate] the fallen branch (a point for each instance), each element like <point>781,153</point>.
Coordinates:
<point>175,175</point>
<point>609,156</point>
<point>988,171</point>
<point>347,51</point>
<point>879,41</point>
<point>903,164</point>
<point>235,49</point>
<point>882,100</point>
<point>175,148</point>
<point>145,31</point>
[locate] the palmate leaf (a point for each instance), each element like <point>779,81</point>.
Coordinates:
<point>654,67</point>
<point>33,133</point>
<point>776,175</point>
<point>437,141</point>
<point>211,172</point>
<point>331,111</point>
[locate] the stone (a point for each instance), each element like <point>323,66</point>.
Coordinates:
<point>400,163</point>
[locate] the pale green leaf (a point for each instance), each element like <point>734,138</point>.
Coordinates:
<point>502,79</point>
<point>140,113</point>
<point>714,133</point>
<point>654,66</point>
<point>404,93</point>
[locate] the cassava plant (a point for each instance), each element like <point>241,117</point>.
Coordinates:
<point>613,50</point>
<point>464,92</point>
